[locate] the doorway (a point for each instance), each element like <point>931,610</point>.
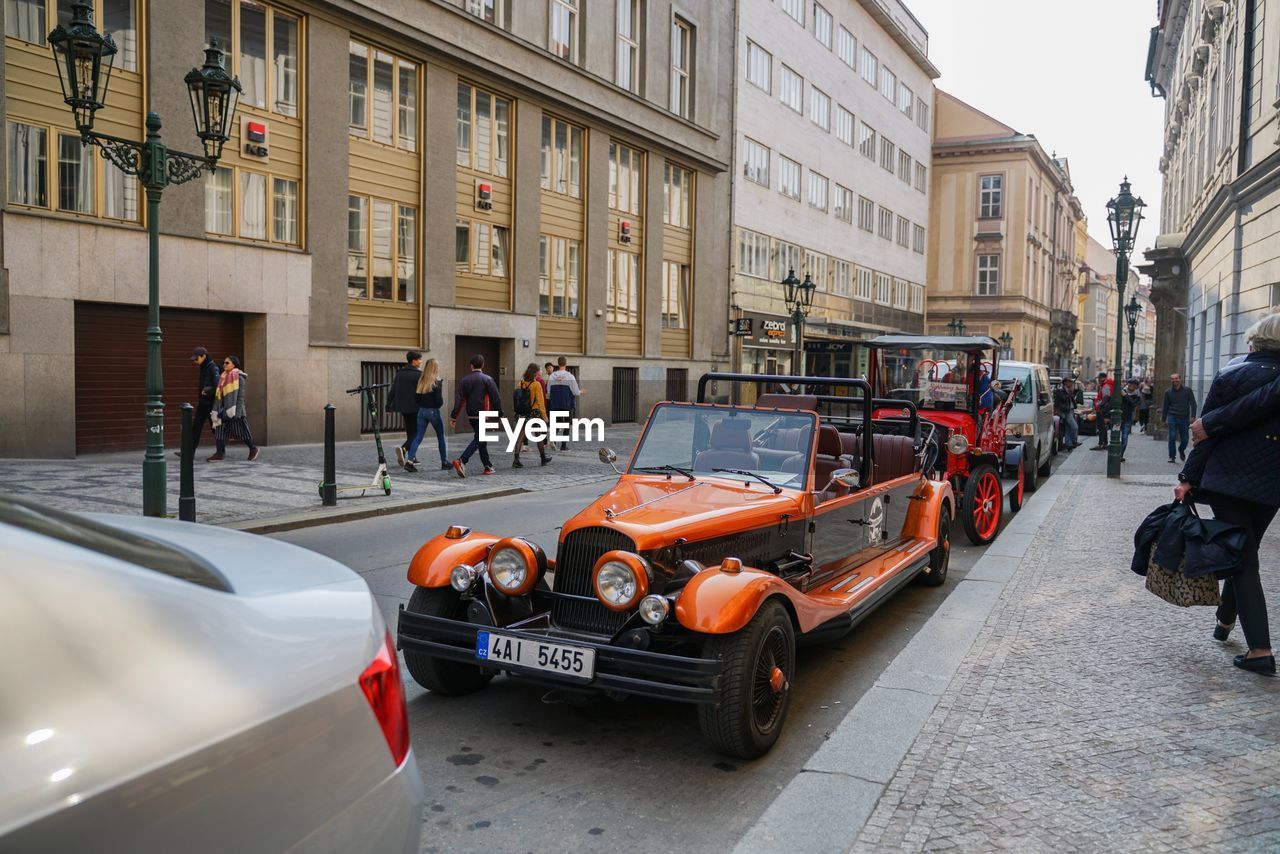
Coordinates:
<point>464,348</point>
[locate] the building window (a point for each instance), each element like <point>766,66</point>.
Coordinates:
<point>921,176</point>
<point>794,8</point>
<point>884,291</point>
<point>844,125</point>
<point>791,89</point>
<point>25,20</point>
<point>284,210</point>
<point>900,297</point>
<point>627,66</point>
<point>1228,90</point>
<point>846,47</point>
<point>559,274</point>
<point>888,154</point>
<point>819,108</point>
<point>904,232</point>
<point>869,65</point>
<point>259,26</point>
<point>917,299</point>
<point>759,67</point>
<point>622,291</point>
<point>784,257</point>
<point>675,295</point>
<point>677,196</point>
<point>1254,55</point>
<point>817,191</point>
<point>866,140</point>
<point>681,68</point>
<point>888,84</point>
<point>886,223</point>
<point>493,11</point>
<point>922,115</point>
<point>75,175</point>
<point>219,202</point>
<point>788,177</point>
<point>822,25</point>
<point>841,278</point>
<point>755,162</point>
<point>815,266</point>
<point>863,291</point>
<point>561,157</point>
<point>381,250</point>
<point>626,178</point>
<point>990,197</point>
<point>562,37</point>
<point>904,167</point>
<point>917,238</point>
<point>383,97</point>
<point>482,249</point>
<point>484,131</point>
<point>844,204</point>
<point>988,275</point>
<point>251,205</point>
<point>753,254</point>
<point>906,100</point>
<point>866,214</point>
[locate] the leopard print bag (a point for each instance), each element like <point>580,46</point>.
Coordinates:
<point>1176,589</point>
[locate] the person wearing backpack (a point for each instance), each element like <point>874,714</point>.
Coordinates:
<point>529,402</point>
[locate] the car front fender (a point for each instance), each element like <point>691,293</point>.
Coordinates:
<point>432,563</point>
<point>715,602</point>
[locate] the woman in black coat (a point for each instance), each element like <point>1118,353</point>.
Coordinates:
<point>1237,472</point>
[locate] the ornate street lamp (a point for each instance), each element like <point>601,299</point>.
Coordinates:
<point>80,52</point>
<point>956,326</point>
<point>1124,215</point>
<point>1131,312</point>
<point>799,299</point>
<point>1006,345</point>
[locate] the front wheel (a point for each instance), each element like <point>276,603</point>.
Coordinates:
<point>983,504</point>
<point>1031,465</point>
<point>940,557</point>
<point>1015,497</point>
<point>755,684</point>
<point>450,678</point>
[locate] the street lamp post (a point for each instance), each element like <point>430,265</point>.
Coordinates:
<point>84,59</point>
<point>1131,317</point>
<point>799,298</point>
<point>1124,215</point>
<point>956,326</point>
<point>1006,345</point>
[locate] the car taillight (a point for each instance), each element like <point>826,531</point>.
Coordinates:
<point>385,693</point>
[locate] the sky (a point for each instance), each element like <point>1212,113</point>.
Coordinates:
<point>1069,73</point>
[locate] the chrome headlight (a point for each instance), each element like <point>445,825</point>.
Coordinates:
<point>620,579</point>
<point>957,444</point>
<point>654,609</point>
<point>514,566</point>
<point>462,576</point>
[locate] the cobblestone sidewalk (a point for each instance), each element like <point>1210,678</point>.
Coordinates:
<point>284,481</point>
<point>1089,715</point>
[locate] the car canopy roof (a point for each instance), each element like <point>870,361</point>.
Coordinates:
<point>963,343</point>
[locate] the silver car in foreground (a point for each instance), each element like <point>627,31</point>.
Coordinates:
<point>171,687</point>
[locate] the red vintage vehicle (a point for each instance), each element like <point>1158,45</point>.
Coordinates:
<point>949,380</point>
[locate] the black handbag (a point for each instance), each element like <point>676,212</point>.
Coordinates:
<point>1212,547</point>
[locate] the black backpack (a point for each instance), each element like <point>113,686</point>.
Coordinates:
<point>522,401</point>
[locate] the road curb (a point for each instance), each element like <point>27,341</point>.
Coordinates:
<point>330,516</point>
<point>847,775</point>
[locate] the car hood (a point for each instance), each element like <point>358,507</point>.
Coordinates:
<point>653,510</point>
<point>1022,413</point>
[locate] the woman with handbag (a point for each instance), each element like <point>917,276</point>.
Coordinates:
<point>529,396</point>
<point>1236,471</point>
<point>429,394</point>
<point>229,406</point>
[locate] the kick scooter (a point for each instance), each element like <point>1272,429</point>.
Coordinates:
<point>381,478</point>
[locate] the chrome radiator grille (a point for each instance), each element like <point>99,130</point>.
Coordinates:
<point>576,556</point>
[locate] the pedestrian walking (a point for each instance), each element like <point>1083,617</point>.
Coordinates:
<point>564,392</point>
<point>530,402</point>
<point>477,393</point>
<point>429,395</point>
<point>1145,395</point>
<point>403,398</point>
<point>1130,400</point>
<point>1102,407</point>
<point>206,388</point>
<point>1064,403</point>
<point>1237,472</point>
<point>232,419</point>
<point>1177,411</point>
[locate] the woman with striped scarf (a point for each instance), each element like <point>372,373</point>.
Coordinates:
<point>231,422</point>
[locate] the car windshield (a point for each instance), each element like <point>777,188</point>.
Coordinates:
<point>1012,373</point>
<point>773,445</point>
<point>934,379</point>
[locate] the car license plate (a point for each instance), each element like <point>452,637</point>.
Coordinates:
<point>576,662</point>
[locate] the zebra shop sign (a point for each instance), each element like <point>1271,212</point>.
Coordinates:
<point>763,330</point>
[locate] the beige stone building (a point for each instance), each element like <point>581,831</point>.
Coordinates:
<point>1005,246</point>
<point>522,180</point>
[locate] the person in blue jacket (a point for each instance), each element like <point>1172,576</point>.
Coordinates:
<point>1236,470</point>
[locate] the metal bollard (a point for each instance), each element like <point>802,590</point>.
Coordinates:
<point>186,470</point>
<point>329,486</point>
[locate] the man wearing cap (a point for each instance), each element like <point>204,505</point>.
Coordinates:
<point>204,394</point>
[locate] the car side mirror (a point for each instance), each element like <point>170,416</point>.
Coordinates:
<point>848,477</point>
<point>608,456</point>
<point>1043,398</point>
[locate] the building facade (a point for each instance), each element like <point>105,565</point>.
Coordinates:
<point>1004,257</point>
<point>1097,298</point>
<point>833,120</point>
<point>1215,259</point>
<point>520,180</point>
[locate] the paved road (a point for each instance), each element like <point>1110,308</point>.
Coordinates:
<point>511,769</point>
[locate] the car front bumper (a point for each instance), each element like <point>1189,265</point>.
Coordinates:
<point>618,669</point>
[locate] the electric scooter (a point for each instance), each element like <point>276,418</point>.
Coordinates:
<point>381,478</point>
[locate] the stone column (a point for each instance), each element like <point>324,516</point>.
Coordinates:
<point>1168,272</point>
<point>328,153</point>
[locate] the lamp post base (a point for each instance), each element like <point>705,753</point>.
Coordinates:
<point>1113,453</point>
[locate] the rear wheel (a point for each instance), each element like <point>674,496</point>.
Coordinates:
<point>1046,469</point>
<point>940,557</point>
<point>1031,465</point>
<point>758,663</point>
<point>983,504</point>
<point>450,678</point>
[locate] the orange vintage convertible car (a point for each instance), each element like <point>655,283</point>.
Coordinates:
<point>734,531</point>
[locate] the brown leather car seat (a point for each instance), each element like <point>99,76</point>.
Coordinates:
<point>895,456</point>
<point>729,448</point>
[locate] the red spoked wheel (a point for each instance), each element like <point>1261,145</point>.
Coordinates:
<point>983,504</point>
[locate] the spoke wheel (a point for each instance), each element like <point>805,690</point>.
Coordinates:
<point>940,557</point>
<point>983,504</point>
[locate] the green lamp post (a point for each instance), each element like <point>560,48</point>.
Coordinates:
<point>956,326</point>
<point>1006,345</point>
<point>1131,312</point>
<point>84,59</point>
<point>799,299</point>
<point>1124,215</point>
